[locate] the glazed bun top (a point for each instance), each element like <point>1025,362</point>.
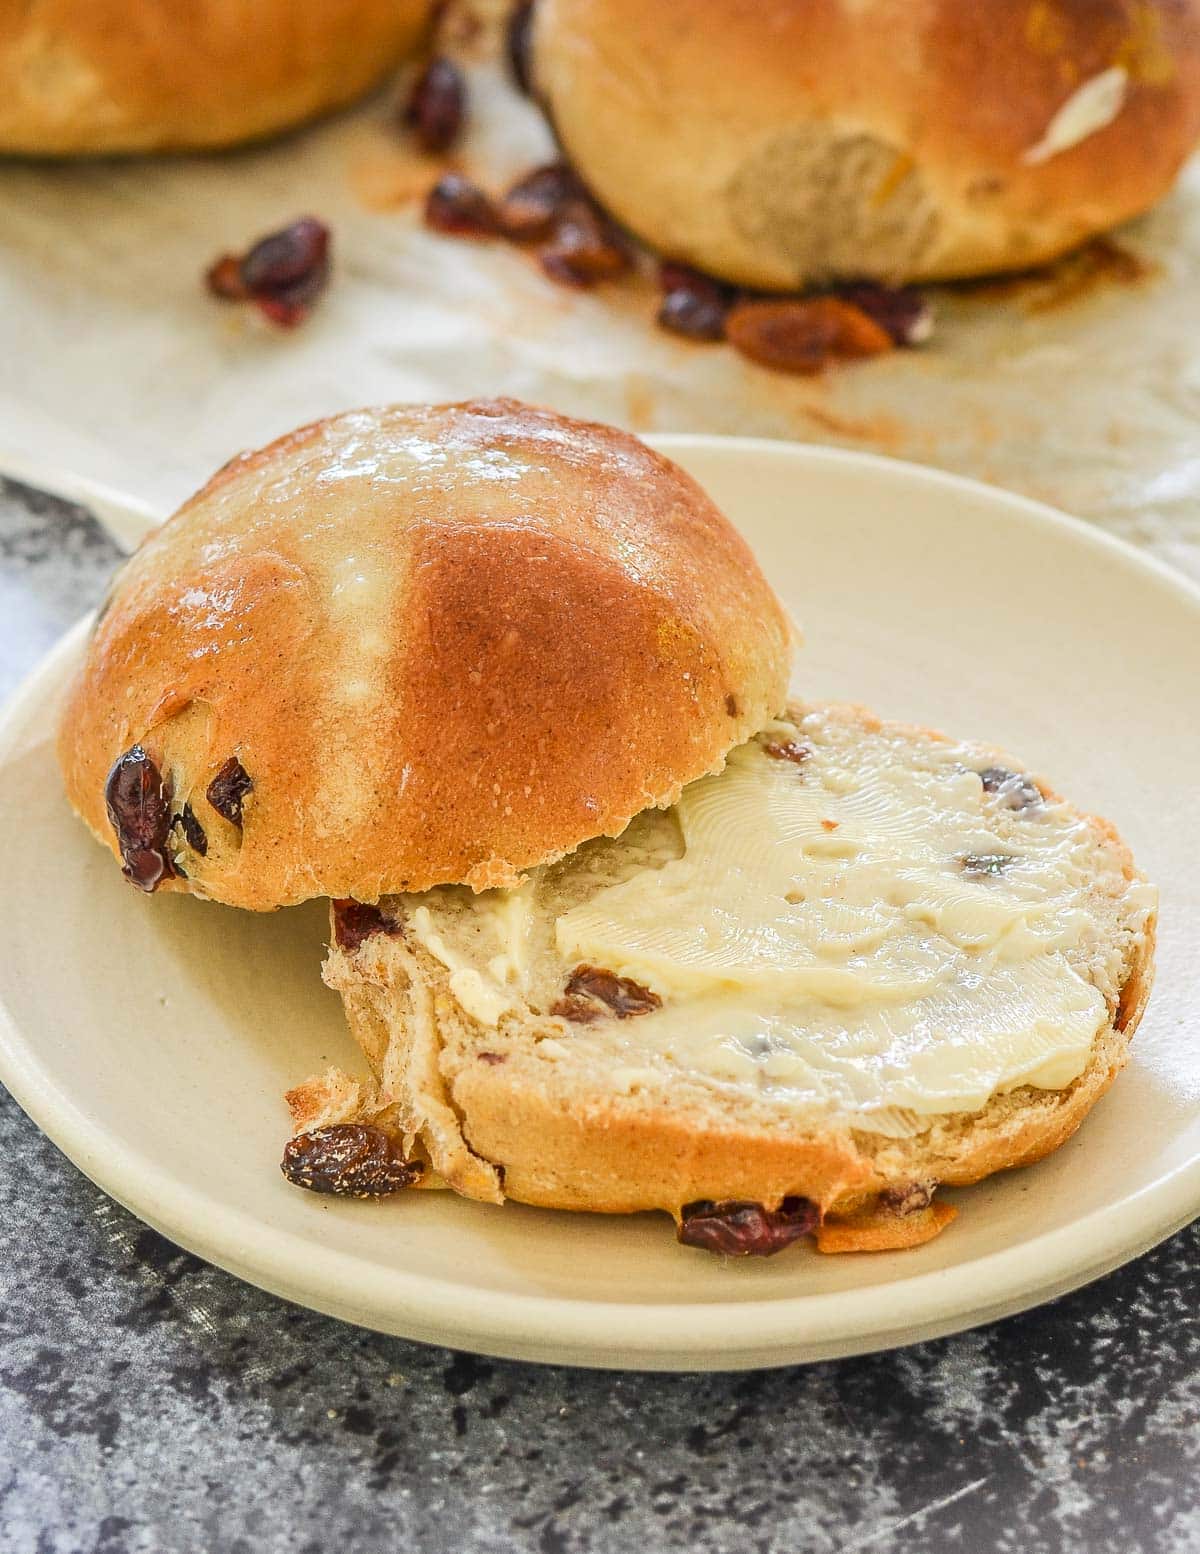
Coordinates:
<point>413,646</point>
<point>83,77</point>
<point>803,140</point>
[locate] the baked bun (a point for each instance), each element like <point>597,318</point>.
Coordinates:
<point>415,645</point>
<point>861,962</point>
<point>795,141</point>
<point>82,77</point>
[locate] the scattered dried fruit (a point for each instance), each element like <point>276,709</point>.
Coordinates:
<point>520,32</point>
<point>901,310</point>
<point>457,205</point>
<point>1012,789</point>
<point>350,1160</point>
<point>354,921</point>
<point>909,1199</point>
<point>193,831</point>
<point>586,247</point>
<point>224,279</point>
<point>803,335</point>
<point>592,985</point>
<point>283,274</point>
<point>535,202</point>
<point>228,789</point>
<point>437,105</point>
<point>739,1229</point>
<point>693,304</point>
<point>787,750</point>
<point>139,810</point>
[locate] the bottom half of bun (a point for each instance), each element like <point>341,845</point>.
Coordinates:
<point>526,1105</point>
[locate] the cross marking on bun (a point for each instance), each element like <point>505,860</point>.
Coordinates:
<point>421,644</point>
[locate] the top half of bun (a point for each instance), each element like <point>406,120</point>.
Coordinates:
<point>441,644</point>
<point>83,77</point>
<point>801,140</point>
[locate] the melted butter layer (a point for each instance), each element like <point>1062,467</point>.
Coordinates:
<point>793,890</point>
<point>814,933</point>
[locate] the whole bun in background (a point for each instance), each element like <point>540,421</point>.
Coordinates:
<point>413,646</point>
<point>776,143</point>
<point>82,77</point>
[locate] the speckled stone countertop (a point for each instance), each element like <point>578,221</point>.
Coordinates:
<point>150,1404</point>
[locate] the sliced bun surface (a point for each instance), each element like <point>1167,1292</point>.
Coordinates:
<point>89,77</point>
<point>861,961</point>
<point>801,140</point>
<point>412,646</point>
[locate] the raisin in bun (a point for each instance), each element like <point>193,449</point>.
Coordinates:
<point>415,645</point>
<point>82,77</point>
<point>860,963</point>
<point>800,140</point>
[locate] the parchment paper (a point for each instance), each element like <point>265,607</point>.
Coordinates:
<point>1082,388</point>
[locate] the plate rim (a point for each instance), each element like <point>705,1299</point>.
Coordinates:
<point>614,1334</point>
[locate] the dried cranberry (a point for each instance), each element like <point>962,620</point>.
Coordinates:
<point>436,105</point>
<point>586,247</point>
<point>283,274</point>
<point>224,279</point>
<point>455,204</point>
<point>741,1229</point>
<point>1012,789</point>
<point>139,809</point>
<point>535,202</point>
<point>578,1009</point>
<point>228,789</point>
<point>354,921</point>
<point>589,985</point>
<point>281,259</point>
<point>901,310</point>
<point>787,750</point>
<point>192,830</point>
<point>349,1159</point>
<point>693,304</point>
<point>909,1199</point>
<point>520,31</point>
<point>804,334</point>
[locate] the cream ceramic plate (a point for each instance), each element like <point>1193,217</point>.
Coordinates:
<point>152,1039</point>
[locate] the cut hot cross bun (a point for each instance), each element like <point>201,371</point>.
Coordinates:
<point>414,645</point>
<point>861,962</point>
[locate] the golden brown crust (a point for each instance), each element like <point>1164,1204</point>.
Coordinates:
<point>445,643</point>
<point>83,77</point>
<point>905,139</point>
<point>878,1230</point>
<point>613,1158</point>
